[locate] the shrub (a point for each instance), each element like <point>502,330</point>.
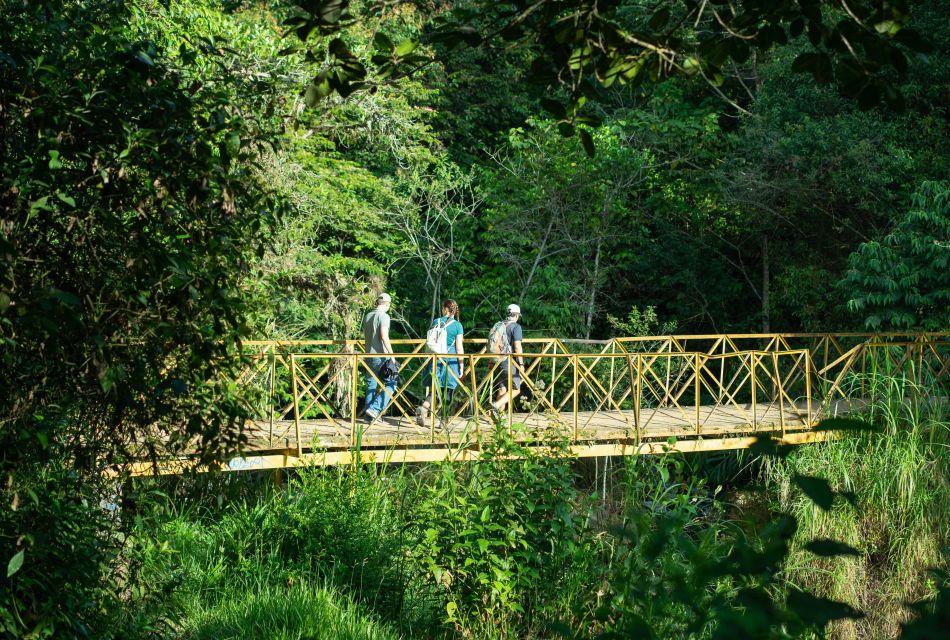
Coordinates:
<point>496,537</point>
<point>67,572</point>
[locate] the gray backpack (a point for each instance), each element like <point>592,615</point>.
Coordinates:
<point>498,341</point>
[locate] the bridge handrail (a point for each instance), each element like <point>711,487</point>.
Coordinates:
<point>656,380</point>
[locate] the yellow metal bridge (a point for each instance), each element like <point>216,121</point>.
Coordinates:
<point>617,397</point>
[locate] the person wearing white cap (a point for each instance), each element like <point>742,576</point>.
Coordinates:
<point>376,340</point>
<point>504,339</point>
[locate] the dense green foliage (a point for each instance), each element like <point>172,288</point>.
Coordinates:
<point>176,177</point>
<point>130,215</point>
<point>904,280</point>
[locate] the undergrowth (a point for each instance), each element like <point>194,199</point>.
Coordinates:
<point>525,545</point>
<point>897,476</point>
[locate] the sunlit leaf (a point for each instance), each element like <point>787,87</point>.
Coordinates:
<point>15,563</point>
<point>406,47</point>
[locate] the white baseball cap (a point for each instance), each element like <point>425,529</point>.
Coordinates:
<point>514,310</point>
<point>383,297</point>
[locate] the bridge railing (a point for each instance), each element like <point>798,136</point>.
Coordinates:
<point>591,387</point>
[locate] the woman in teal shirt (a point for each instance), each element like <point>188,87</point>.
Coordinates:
<point>453,344</point>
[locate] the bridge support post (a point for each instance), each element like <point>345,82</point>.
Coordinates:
<point>669,366</point>
<point>270,400</point>
<point>576,393</point>
<point>755,424</point>
<point>778,388</point>
<point>610,387</point>
<point>293,384</point>
<point>633,400</point>
<point>863,367</point>
<point>824,366</point>
<point>433,389</point>
<point>698,419</point>
<point>470,366</point>
<point>353,385</point>
<point>722,372</point>
<point>808,387</point>
<point>511,399</point>
<point>637,399</point>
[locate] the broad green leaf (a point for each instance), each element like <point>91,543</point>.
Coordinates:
<point>318,89</point>
<point>554,107</point>
<point>66,199</point>
<point>818,489</point>
<point>659,19</point>
<point>330,11</point>
<point>588,143</point>
<point>828,548</point>
<point>382,43</point>
<point>66,298</point>
<point>40,204</point>
<point>234,143</point>
<point>406,47</point>
<point>15,563</point>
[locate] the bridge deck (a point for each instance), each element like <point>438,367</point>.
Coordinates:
<point>592,427</point>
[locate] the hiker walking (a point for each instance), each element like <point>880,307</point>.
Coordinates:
<point>505,339</point>
<point>376,340</point>
<point>445,335</point>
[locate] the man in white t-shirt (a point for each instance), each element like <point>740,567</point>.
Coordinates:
<point>376,340</point>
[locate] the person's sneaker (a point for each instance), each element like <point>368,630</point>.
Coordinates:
<point>494,412</point>
<point>421,414</point>
<point>370,416</point>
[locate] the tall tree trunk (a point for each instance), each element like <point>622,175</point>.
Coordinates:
<point>766,320</point>
<point>593,288</point>
<point>537,261</point>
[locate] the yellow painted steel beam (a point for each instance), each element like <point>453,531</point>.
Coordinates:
<point>438,454</point>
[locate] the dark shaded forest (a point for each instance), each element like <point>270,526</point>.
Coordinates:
<point>178,177</point>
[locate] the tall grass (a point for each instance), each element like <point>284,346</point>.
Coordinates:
<point>898,476</point>
<point>323,553</point>
<point>283,612</point>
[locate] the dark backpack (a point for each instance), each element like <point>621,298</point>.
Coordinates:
<point>388,370</point>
